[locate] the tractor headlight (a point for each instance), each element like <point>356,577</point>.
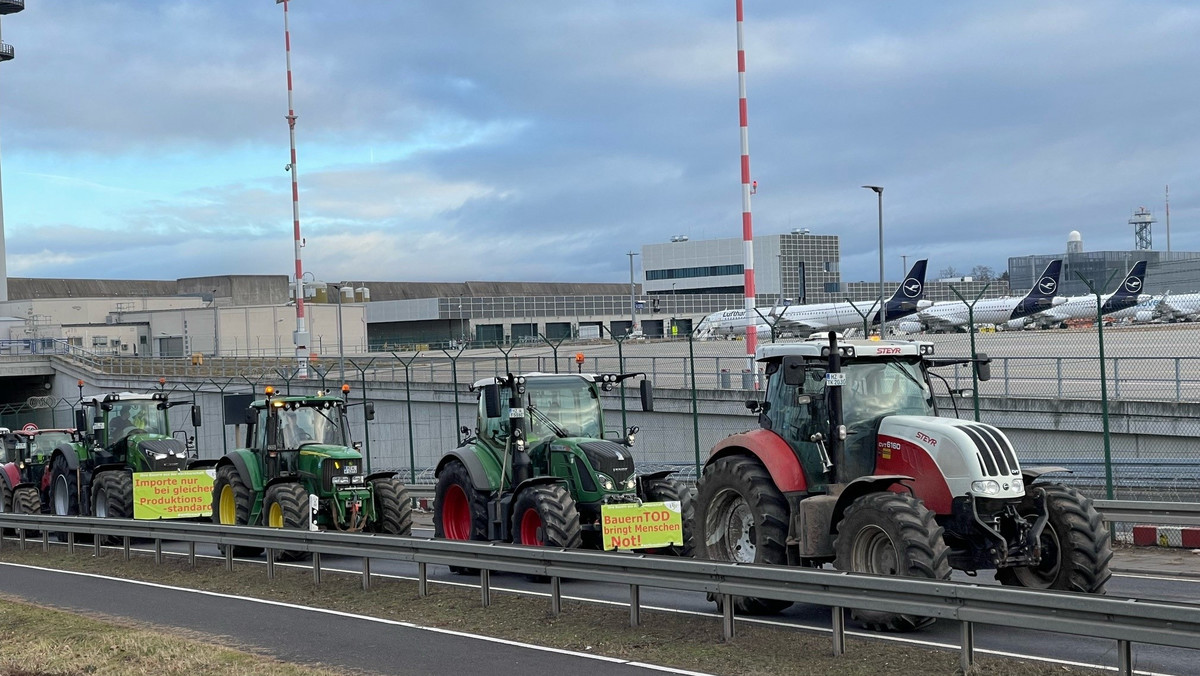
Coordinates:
<point>1018,484</point>
<point>160,456</point>
<point>606,482</point>
<point>630,483</point>
<point>356,479</point>
<point>341,480</point>
<point>986,487</point>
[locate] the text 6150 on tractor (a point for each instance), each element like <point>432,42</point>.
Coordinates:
<point>299,469</point>
<point>26,459</point>
<point>123,433</point>
<point>851,466</point>
<point>539,468</point>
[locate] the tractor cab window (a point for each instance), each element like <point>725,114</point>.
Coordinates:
<point>875,389</point>
<point>305,425</point>
<point>42,444</point>
<point>127,417</point>
<point>565,407</point>
<point>797,412</point>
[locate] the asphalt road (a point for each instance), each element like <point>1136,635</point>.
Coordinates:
<point>997,640</point>
<point>296,634</point>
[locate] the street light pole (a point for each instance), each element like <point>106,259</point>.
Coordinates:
<point>632,302</point>
<point>341,345</point>
<point>882,307</point>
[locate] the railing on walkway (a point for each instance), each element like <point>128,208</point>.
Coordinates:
<point>1124,620</point>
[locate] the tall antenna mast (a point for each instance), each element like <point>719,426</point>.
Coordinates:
<point>1168,219</point>
<point>300,337</point>
<point>747,221</point>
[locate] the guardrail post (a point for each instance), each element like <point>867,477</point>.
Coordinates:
<point>727,627</point>
<point>125,546</point>
<point>966,655</point>
<point>270,564</point>
<point>45,541</point>
<point>229,558</point>
<point>192,553</point>
<point>1124,658</point>
<point>422,580</point>
<point>635,605</point>
<point>366,572</point>
<point>21,537</point>
<point>555,596</point>
<point>485,586</point>
<point>157,551</point>
<point>71,542</point>
<point>839,631</point>
<point>316,567</point>
<point>96,545</point>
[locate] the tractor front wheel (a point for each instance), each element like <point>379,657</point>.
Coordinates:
<point>891,534</point>
<point>27,501</point>
<point>672,490</point>
<point>1075,545</point>
<point>112,497</point>
<point>231,505</point>
<point>6,500</point>
<point>545,515</point>
<point>64,491</point>
<point>286,506</point>
<point>743,518</point>
<point>393,508</point>
<point>459,509</point>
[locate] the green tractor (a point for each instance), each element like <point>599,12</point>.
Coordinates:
<point>539,469</point>
<point>122,433</point>
<point>300,470</point>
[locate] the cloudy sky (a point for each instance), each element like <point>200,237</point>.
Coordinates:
<point>535,140</point>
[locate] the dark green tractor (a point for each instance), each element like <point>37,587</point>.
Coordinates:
<point>541,466</point>
<point>121,433</point>
<point>301,470</point>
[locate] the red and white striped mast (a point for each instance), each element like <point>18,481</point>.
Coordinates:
<point>747,223</point>
<point>300,337</point>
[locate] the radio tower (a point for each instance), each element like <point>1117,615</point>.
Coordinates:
<point>300,337</point>
<point>1141,221</point>
<point>747,222</point>
<point>6,54</point>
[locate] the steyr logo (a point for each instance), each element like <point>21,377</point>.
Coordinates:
<point>912,288</point>
<point>1047,285</point>
<point>1133,285</point>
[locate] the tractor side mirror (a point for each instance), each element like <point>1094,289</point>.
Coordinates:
<point>983,367</point>
<point>368,410</point>
<point>793,371</point>
<point>647,392</point>
<point>491,400</point>
<point>249,416</point>
<point>81,422</point>
<point>195,415</point>
<point>753,405</point>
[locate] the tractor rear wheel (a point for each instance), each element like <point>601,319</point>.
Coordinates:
<point>64,491</point>
<point>672,490</point>
<point>112,497</point>
<point>393,508</point>
<point>742,517</point>
<point>545,515</point>
<point>1076,549</point>
<point>6,500</point>
<point>27,501</point>
<point>891,534</point>
<point>231,505</point>
<point>286,506</point>
<point>459,509</point>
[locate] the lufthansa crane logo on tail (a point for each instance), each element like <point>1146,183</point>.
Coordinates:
<point>912,287</point>
<point>1133,285</point>
<point>1047,285</point>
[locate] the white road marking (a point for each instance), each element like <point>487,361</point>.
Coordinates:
<point>366,618</point>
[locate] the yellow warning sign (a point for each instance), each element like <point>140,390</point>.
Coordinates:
<point>644,526</point>
<point>172,495</point>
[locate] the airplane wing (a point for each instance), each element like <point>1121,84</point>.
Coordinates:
<point>1047,318</point>
<point>935,322</point>
<point>800,328</point>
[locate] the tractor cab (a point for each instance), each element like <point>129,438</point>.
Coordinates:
<point>31,449</point>
<point>134,429</point>
<point>285,429</point>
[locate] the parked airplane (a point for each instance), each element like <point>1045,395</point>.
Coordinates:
<point>1179,307</point>
<point>1127,294</point>
<point>1145,311</point>
<point>804,320</point>
<point>1008,311</point>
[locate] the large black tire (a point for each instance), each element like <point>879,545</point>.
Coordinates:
<point>672,490</point>
<point>228,488</point>
<point>545,515</point>
<point>6,501</point>
<point>741,516</point>
<point>27,501</point>
<point>286,506</point>
<point>63,492</point>
<point>393,508</point>
<point>1076,548</point>
<point>112,497</point>
<point>891,534</point>
<point>459,509</point>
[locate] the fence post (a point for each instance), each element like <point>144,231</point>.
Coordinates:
<point>695,408</point>
<point>454,383</point>
<point>362,372</point>
<point>412,452</point>
<point>1108,477</point>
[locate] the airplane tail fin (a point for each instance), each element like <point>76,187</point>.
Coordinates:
<point>1131,286</point>
<point>1046,287</point>
<point>912,288</point>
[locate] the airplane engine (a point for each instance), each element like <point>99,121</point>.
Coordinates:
<point>1144,316</point>
<point>908,327</point>
<point>1015,324</point>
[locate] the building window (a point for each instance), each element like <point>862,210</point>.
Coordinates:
<point>686,273</point>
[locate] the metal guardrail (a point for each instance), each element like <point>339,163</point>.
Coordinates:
<point>1125,620</point>
<point>1159,513</point>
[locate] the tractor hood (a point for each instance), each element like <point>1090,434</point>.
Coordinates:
<point>968,457</point>
<point>162,453</point>
<point>330,451</point>
<point>607,457</point>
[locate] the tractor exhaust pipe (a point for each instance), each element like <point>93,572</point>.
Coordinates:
<point>833,400</point>
<point>522,468</point>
